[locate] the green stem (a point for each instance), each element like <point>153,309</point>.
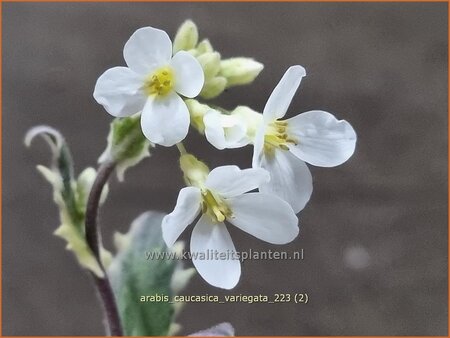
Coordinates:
<point>181,148</point>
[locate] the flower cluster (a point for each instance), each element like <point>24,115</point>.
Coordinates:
<point>166,84</point>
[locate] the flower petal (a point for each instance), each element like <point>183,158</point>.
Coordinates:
<point>147,49</point>
<point>290,179</point>
<point>264,216</point>
<point>281,97</point>
<point>186,210</point>
<point>258,146</point>
<point>189,77</point>
<point>118,90</point>
<point>323,140</point>
<point>208,242</point>
<point>251,119</point>
<point>165,120</point>
<point>225,131</point>
<point>230,180</point>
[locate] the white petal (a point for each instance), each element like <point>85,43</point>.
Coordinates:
<point>258,146</point>
<point>189,77</point>
<point>323,140</point>
<point>290,179</point>
<point>231,181</point>
<point>165,120</point>
<point>147,49</point>
<point>251,119</point>
<point>210,240</point>
<point>225,131</point>
<point>187,208</point>
<point>118,90</point>
<point>264,216</point>
<point>281,97</point>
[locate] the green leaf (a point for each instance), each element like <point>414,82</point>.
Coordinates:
<point>127,145</point>
<point>70,195</point>
<point>132,276</point>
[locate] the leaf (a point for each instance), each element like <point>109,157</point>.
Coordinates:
<point>70,195</point>
<point>77,243</point>
<point>133,276</point>
<point>62,163</point>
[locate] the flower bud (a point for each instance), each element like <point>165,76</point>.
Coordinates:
<point>186,37</point>
<point>195,171</point>
<point>240,70</point>
<point>210,62</point>
<point>213,87</point>
<point>204,46</point>
<point>197,110</point>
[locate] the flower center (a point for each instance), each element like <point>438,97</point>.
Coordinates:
<point>160,82</point>
<point>215,207</point>
<point>277,137</point>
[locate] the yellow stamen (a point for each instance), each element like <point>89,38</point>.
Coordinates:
<point>277,137</point>
<point>160,82</point>
<point>215,207</point>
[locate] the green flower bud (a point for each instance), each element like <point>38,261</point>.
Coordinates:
<point>195,171</point>
<point>197,110</point>
<point>210,62</point>
<point>186,37</point>
<point>213,87</point>
<point>240,70</point>
<point>204,47</point>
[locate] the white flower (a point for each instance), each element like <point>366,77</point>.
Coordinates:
<point>233,130</point>
<point>222,197</point>
<point>151,84</point>
<point>283,146</point>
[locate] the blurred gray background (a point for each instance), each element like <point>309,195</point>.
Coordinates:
<point>375,230</point>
